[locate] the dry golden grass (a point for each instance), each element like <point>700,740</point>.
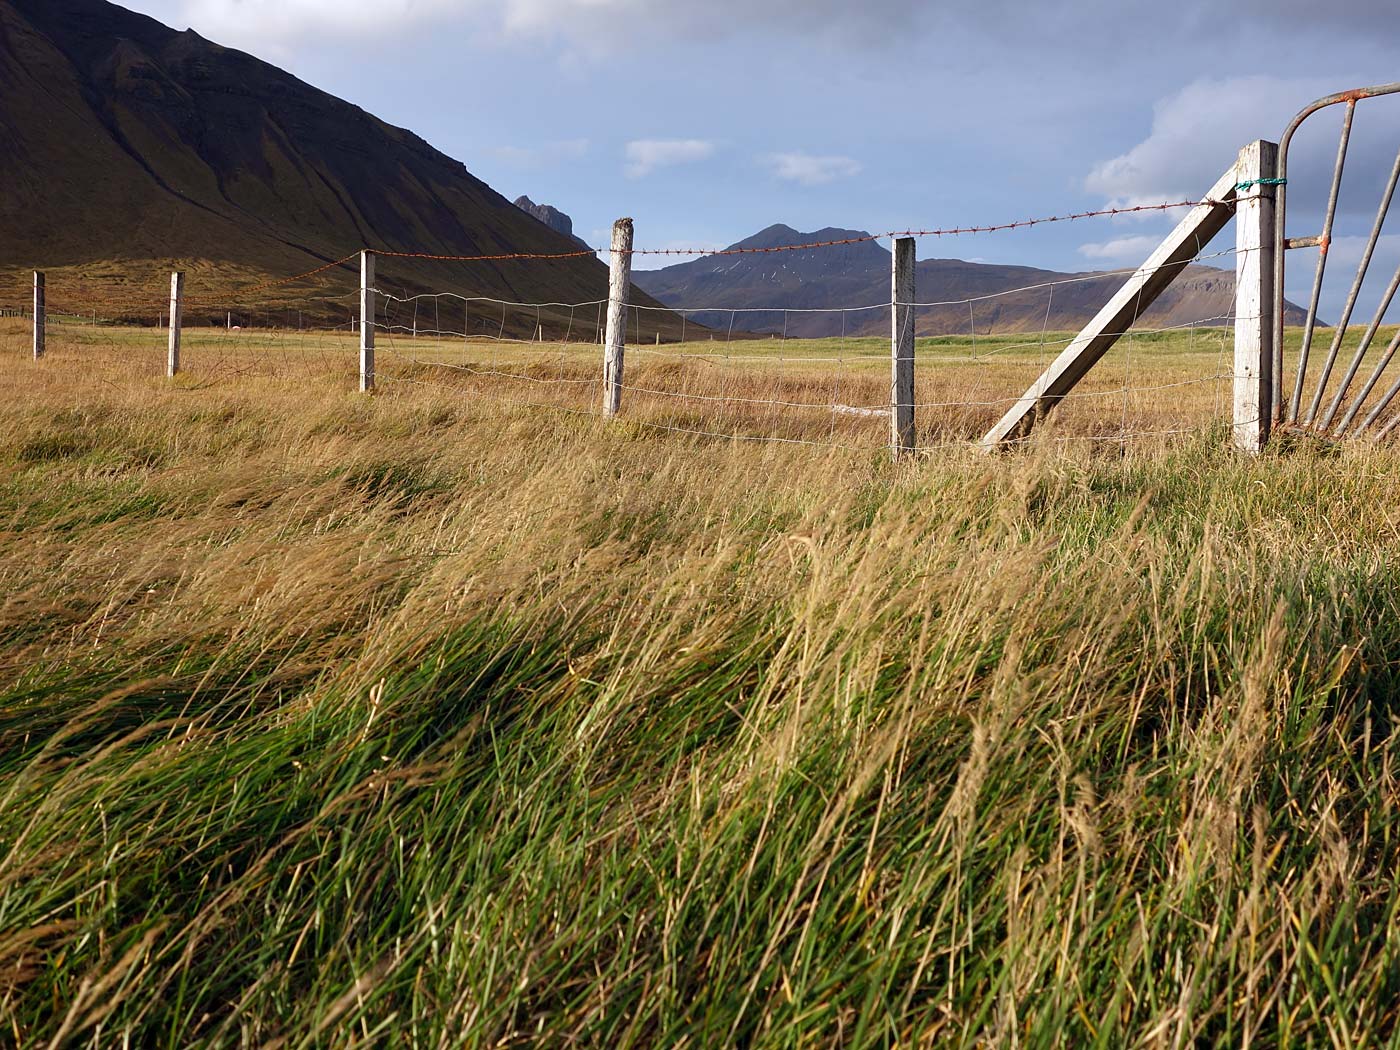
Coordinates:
<point>830,392</point>
<point>437,719</point>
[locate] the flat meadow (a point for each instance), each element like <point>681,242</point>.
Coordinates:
<point>458,716</point>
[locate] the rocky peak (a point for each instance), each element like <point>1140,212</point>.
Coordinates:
<point>551,216</point>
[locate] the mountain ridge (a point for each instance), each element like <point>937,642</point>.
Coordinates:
<point>848,284</point>
<point>134,148</point>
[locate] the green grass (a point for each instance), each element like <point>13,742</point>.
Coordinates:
<point>428,720</point>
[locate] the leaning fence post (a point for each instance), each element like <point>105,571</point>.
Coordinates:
<point>1255,219</point>
<point>40,318</point>
<point>619,283</point>
<point>177,319</point>
<point>902,347</point>
<point>366,321</point>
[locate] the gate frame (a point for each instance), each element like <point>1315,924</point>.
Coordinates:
<point>1323,242</point>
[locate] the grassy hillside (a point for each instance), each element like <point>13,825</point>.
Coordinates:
<point>132,149</point>
<point>434,719</point>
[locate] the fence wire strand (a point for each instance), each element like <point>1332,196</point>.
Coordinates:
<point>744,383</point>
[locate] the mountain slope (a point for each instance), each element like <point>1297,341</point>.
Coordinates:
<point>126,140</point>
<point>858,275</point>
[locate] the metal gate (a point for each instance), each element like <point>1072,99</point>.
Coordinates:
<point>1337,411</point>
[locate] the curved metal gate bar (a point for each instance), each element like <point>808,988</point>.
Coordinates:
<point>1323,241</point>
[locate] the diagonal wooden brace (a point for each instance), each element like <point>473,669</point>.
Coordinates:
<point>1140,291</point>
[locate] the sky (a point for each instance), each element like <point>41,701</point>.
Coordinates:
<point>708,120</point>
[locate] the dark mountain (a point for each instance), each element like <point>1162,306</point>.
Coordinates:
<point>858,275</point>
<point>130,148</point>
<point>552,217</point>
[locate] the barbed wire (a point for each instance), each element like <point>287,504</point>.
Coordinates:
<point>143,299</point>
<point>930,304</point>
<point>865,238</point>
<point>391,298</point>
<point>244,292</point>
<point>776,405</point>
<point>950,231</point>
<point>496,257</point>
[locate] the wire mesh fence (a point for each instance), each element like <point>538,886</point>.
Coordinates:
<point>813,375</point>
<point>716,381</point>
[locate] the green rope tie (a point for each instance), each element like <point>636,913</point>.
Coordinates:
<point>1241,187</point>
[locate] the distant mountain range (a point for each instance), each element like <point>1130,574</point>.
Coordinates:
<point>1003,298</point>
<point>130,148</point>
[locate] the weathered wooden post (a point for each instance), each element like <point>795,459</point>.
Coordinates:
<point>366,321</point>
<point>1255,218</point>
<point>177,318</point>
<point>902,348</point>
<point>40,318</point>
<point>619,284</point>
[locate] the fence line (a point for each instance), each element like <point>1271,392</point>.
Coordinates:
<point>436,372</point>
<point>400,346</point>
<point>408,362</point>
<point>155,298</point>
<point>393,323</point>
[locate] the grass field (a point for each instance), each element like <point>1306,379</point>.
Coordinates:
<point>440,719</point>
<point>1155,384</point>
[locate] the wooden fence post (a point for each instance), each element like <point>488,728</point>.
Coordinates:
<point>366,321</point>
<point>619,284</point>
<point>1255,219</point>
<point>40,316</point>
<point>177,318</point>
<point>902,347</point>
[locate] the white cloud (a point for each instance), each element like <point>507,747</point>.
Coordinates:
<point>1346,252</point>
<point>646,155</point>
<point>1197,132</point>
<point>267,25</point>
<point>1121,249</point>
<point>543,155</point>
<point>1196,135</point>
<point>809,170</point>
<point>248,23</point>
